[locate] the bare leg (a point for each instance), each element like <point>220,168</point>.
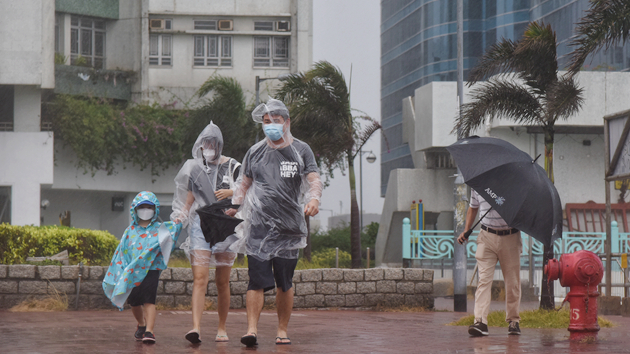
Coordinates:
<point>255,301</point>
<point>284,304</point>
<point>139,315</point>
<point>149,313</point>
<point>222,279</point>
<point>200,287</point>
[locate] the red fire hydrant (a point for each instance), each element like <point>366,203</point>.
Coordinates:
<point>582,271</point>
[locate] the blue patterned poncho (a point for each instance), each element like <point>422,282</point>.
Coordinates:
<point>140,250</point>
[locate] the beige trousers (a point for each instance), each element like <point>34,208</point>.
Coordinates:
<point>507,250</point>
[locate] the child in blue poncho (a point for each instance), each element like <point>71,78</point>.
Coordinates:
<point>142,254</point>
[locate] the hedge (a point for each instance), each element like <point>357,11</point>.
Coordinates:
<point>92,247</point>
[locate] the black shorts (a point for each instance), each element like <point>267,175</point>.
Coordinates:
<point>146,292</point>
<point>262,276</point>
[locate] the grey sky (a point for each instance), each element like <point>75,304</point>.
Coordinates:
<point>346,33</point>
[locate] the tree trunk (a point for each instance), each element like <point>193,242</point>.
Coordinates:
<point>355,232</point>
<point>547,301</point>
<point>307,249</point>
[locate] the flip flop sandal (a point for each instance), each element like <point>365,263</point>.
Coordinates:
<point>221,338</point>
<point>280,339</point>
<point>249,340</point>
<point>193,337</point>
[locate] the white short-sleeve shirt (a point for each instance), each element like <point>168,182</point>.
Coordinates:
<point>493,220</point>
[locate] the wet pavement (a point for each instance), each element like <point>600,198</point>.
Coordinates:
<point>314,331</point>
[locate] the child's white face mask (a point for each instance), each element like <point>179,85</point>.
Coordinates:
<point>145,214</point>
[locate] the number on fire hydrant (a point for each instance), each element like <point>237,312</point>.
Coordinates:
<point>575,314</point>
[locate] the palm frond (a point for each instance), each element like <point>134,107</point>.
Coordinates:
<point>536,56</point>
<point>564,99</point>
<point>532,58</point>
<point>498,59</point>
<point>498,99</point>
<point>365,134</point>
<point>607,23</point>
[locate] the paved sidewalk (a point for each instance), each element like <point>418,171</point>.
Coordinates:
<point>314,331</point>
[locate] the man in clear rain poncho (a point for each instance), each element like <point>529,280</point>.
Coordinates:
<point>279,174</point>
<point>203,180</point>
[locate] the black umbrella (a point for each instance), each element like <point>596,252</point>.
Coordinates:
<point>215,225</point>
<point>513,183</point>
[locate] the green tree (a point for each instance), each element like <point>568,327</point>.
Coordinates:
<point>227,109</point>
<point>527,90</point>
<point>607,23</point>
<point>319,102</point>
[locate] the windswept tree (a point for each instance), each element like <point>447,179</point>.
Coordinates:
<point>606,24</point>
<point>226,107</point>
<point>523,86</point>
<point>319,103</point>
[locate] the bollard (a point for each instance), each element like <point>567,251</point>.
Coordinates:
<point>76,304</point>
<point>368,257</point>
<point>336,257</point>
<point>582,271</point>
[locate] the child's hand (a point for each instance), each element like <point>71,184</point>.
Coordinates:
<point>223,193</point>
<point>231,212</point>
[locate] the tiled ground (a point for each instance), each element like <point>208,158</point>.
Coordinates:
<point>311,332</point>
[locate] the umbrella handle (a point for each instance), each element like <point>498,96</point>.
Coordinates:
<point>467,234</point>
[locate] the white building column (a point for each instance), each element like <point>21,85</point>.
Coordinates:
<point>27,109</point>
<point>25,203</point>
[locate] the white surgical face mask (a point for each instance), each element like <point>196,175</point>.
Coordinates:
<point>145,214</point>
<point>208,154</point>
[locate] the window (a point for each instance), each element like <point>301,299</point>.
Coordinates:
<point>213,50</point>
<point>57,36</point>
<point>160,49</point>
<point>271,51</point>
<point>5,205</point>
<point>6,108</point>
<point>263,26</point>
<point>207,25</point>
<point>87,42</point>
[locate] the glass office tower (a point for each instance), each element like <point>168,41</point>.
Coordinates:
<point>419,45</point>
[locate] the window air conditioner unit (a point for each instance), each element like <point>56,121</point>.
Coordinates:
<point>283,26</point>
<point>156,24</point>
<point>226,25</point>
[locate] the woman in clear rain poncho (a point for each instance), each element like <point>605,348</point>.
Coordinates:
<point>279,175</point>
<point>203,180</point>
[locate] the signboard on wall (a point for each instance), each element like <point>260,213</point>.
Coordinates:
<point>118,203</point>
<point>617,135</point>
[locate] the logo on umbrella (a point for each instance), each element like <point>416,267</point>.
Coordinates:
<point>493,195</point>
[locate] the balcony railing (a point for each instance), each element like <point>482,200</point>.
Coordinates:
<point>78,80</point>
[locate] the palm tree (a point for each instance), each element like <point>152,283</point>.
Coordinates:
<point>526,89</point>
<point>227,109</point>
<point>607,23</point>
<point>319,102</point>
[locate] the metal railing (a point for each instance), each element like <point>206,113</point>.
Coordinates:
<point>434,249</point>
<point>437,244</point>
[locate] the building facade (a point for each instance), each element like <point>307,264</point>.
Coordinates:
<point>419,46</point>
<point>141,51</point>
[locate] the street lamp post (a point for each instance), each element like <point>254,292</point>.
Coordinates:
<point>261,79</point>
<point>370,158</point>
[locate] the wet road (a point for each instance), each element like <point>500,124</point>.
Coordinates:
<point>311,332</point>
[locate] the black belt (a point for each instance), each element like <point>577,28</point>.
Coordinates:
<point>499,232</point>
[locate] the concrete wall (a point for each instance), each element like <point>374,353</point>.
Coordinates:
<point>314,288</point>
<point>27,45</point>
<point>27,164</point>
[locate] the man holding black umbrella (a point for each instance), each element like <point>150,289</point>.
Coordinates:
<point>497,241</point>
